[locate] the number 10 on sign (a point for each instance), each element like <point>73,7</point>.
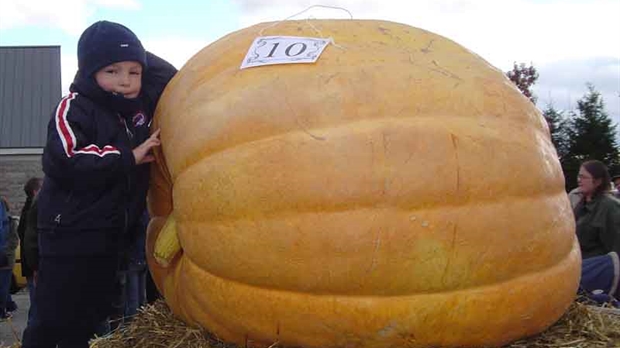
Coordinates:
<point>269,50</point>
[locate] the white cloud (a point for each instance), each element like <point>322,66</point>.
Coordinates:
<point>564,82</point>
<point>183,49</point>
<point>68,68</point>
<point>120,4</point>
<point>69,15</point>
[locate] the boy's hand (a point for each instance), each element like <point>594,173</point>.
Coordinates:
<point>141,153</point>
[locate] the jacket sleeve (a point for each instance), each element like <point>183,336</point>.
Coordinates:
<point>31,237</point>
<point>10,244</point>
<point>12,238</point>
<point>155,80</point>
<point>70,152</point>
<point>21,228</point>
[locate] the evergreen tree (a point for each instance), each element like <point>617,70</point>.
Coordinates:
<point>590,135</point>
<point>558,129</point>
<point>524,77</point>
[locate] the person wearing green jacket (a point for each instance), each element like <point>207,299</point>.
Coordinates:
<point>597,215</point>
<point>597,219</point>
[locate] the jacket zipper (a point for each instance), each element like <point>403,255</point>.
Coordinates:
<point>130,136</point>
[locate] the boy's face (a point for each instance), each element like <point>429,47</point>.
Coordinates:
<point>124,78</point>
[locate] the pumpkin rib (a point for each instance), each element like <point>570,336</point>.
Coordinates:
<point>224,104</point>
<point>569,255</point>
<point>507,310</point>
<point>491,284</point>
<point>231,248</point>
<point>194,303</point>
<point>294,211</point>
<point>206,151</point>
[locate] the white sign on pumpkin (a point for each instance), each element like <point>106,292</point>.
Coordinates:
<point>269,50</point>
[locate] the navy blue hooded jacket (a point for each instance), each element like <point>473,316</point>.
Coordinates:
<point>92,183</point>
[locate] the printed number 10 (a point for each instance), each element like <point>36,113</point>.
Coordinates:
<point>288,49</point>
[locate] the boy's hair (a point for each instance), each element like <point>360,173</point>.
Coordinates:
<point>32,185</point>
<point>105,43</point>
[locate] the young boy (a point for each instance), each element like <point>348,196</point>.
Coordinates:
<point>95,183</point>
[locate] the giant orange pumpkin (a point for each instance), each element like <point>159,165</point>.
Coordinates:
<point>398,192</point>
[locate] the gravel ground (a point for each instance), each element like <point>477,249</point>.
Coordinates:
<point>12,329</point>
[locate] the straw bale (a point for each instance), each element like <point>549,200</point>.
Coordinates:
<point>583,326</point>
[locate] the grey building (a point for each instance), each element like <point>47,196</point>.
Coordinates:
<point>30,88</point>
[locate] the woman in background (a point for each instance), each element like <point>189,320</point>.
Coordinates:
<point>597,217</point>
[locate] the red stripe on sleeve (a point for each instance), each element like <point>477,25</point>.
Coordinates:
<point>68,137</point>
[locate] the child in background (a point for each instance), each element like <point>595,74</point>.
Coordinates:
<point>95,180</point>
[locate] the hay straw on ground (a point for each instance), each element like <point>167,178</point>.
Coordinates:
<point>155,326</point>
<point>583,326</point>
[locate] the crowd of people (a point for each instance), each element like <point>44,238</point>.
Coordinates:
<point>82,228</point>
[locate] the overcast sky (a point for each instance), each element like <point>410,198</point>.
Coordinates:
<point>571,42</point>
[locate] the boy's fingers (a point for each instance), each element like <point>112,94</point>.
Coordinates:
<point>150,142</point>
<point>155,133</point>
<point>153,140</point>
